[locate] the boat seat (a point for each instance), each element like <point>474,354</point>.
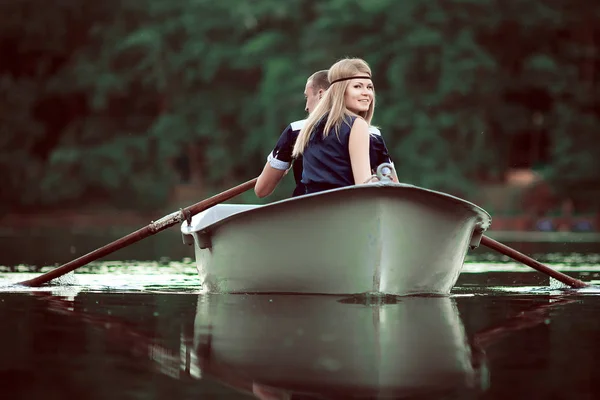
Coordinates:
<point>217,213</point>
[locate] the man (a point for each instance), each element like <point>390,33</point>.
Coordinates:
<point>280,159</point>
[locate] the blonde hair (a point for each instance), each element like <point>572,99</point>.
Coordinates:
<point>333,102</point>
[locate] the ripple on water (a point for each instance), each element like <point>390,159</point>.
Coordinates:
<point>482,267</point>
<point>181,276</point>
<point>131,276</point>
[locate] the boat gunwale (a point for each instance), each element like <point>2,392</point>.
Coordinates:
<point>484,215</point>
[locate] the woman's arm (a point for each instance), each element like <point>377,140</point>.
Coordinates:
<point>379,153</point>
<point>395,176</point>
<point>358,146</point>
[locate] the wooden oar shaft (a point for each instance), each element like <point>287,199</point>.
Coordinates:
<point>89,257</point>
<point>149,230</point>
<point>515,255</point>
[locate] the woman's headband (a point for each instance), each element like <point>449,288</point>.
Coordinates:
<point>350,77</point>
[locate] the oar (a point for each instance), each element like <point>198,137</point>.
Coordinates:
<point>149,230</point>
<point>515,255</point>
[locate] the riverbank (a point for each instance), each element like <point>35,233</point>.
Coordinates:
<point>508,229</point>
<point>77,219</point>
<point>544,237</point>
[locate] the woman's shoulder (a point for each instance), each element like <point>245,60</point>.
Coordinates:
<point>351,118</point>
<point>359,122</point>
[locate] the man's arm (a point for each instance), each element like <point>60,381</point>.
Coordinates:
<point>268,180</point>
<point>278,163</point>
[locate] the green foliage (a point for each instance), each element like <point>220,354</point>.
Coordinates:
<point>99,100</point>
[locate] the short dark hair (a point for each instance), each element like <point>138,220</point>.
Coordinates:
<point>319,80</point>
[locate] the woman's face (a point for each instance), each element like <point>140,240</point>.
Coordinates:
<point>359,95</point>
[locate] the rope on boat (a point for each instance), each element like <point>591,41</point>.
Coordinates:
<point>385,172</point>
<point>166,221</point>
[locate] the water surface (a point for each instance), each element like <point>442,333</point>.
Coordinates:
<point>135,330</point>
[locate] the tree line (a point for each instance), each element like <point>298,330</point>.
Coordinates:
<point>117,101</point>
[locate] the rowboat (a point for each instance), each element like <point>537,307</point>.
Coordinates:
<point>377,238</point>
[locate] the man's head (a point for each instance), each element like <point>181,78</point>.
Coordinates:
<point>316,85</point>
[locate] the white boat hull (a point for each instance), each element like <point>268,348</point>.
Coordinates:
<point>382,238</point>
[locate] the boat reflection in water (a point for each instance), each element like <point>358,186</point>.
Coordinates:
<point>284,346</point>
<point>277,346</point>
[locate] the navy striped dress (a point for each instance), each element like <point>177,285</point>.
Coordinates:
<point>281,156</point>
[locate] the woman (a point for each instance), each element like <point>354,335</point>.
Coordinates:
<point>334,141</point>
